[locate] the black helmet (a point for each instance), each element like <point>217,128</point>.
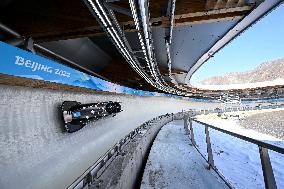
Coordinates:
<point>113,107</point>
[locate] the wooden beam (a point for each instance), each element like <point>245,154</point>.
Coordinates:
<point>209,18</point>
<point>211,15</point>
<point>182,19</point>
<point>214,12</point>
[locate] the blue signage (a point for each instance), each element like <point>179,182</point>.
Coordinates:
<point>18,62</point>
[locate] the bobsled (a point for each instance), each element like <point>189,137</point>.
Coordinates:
<point>77,115</point>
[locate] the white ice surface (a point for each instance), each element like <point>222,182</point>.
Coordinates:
<point>237,160</point>
<point>175,164</point>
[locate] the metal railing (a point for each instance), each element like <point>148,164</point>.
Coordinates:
<point>267,169</point>
<point>91,173</point>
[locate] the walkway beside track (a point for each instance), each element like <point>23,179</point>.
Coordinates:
<point>174,163</point>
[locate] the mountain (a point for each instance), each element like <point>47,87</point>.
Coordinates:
<point>267,71</point>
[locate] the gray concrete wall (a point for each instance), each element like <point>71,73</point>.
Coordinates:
<point>36,153</point>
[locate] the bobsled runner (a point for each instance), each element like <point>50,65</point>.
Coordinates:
<point>77,115</point>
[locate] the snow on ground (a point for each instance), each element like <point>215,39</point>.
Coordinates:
<point>271,123</point>
<point>174,163</point>
<point>238,160</point>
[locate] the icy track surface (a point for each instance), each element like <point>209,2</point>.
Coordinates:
<point>238,160</point>
<point>174,163</point>
<point>37,153</point>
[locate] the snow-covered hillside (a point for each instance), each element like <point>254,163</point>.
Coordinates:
<point>267,71</point>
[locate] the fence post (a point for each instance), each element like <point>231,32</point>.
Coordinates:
<point>267,170</point>
<point>185,119</point>
<point>209,149</point>
<point>191,132</point>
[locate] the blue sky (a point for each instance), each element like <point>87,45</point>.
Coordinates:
<point>262,42</point>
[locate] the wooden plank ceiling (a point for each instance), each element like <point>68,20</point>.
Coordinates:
<point>50,20</point>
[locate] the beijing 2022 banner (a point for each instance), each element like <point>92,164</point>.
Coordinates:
<point>17,62</point>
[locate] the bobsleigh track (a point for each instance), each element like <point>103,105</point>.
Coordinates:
<point>36,152</point>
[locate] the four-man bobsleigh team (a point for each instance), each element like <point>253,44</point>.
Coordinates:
<point>77,115</point>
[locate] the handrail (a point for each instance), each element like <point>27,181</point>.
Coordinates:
<point>248,139</point>
<point>267,169</point>
<point>89,175</point>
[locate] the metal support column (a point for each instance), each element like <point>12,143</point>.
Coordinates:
<point>191,132</point>
<point>209,148</point>
<point>185,119</point>
<point>267,169</point>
